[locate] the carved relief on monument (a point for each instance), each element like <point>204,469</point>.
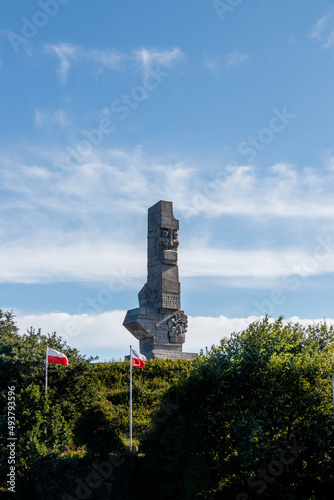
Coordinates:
<point>176,326</point>
<point>168,238</point>
<point>171,300</point>
<point>167,244</point>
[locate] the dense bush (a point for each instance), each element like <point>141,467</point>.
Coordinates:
<point>260,392</point>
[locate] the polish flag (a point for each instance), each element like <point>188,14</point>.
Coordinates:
<point>56,357</point>
<point>138,359</point>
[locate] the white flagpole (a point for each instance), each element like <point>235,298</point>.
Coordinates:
<point>130,398</point>
<point>46,371</point>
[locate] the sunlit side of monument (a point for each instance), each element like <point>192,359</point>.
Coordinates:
<point>158,323</point>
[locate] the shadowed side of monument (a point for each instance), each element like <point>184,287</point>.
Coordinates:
<point>158,323</point>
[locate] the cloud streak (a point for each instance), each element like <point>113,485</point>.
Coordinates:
<point>67,54</point>
<point>236,58</point>
<point>129,180</point>
<point>70,55</point>
<point>282,191</point>
<point>90,218</point>
<point>46,118</point>
<point>323,32</point>
<point>96,261</point>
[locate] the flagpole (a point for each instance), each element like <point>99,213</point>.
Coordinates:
<point>130,398</point>
<point>46,370</point>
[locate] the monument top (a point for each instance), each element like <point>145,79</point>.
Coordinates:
<point>161,215</point>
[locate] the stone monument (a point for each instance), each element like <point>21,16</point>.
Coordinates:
<point>158,323</point>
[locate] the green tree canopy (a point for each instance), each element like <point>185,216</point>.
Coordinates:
<point>261,393</point>
<point>43,425</point>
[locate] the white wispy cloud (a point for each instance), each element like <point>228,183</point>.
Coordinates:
<point>320,27</point>
<point>83,331</point>
<point>60,117</point>
<point>323,31</point>
<point>151,57</point>
<point>45,117</point>
<point>92,333</point>
<point>214,65</point>
<point>100,261</point>
<point>283,191</point>
<point>205,261</point>
<point>237,58</point>
<point>54,225</point>
<point>145,59</point>
<point>72,262</point>
<point>67,54</point>
<point>330,161</point>
<point>129,180</point>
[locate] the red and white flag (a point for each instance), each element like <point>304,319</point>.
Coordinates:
<point>56,357</point>
<point>138,359</point>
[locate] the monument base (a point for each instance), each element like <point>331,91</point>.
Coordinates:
<point>189,355</point>
<point>159,333</point>
<point>159,354</point>
<point>166,351</point>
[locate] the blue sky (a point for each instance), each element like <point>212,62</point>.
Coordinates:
<point>224,108</point>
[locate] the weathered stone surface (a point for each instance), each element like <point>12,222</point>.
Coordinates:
<point>158,323</point>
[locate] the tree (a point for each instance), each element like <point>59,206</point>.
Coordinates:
<point>43,425</point>
<point>96,429</point>
<point>22,362</point>
<point>255,417</point>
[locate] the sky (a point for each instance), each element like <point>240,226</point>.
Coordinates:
<point>224,108</point>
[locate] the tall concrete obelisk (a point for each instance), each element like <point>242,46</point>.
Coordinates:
<point>158,323</point>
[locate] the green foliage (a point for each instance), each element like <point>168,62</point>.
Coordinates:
<point>117,374</point>
<point>79,433</point>
<point>218,427</point>
<point>97,429</point>
<point>263,387</point>
<point>22,362</point>
<point>41,427</point>
<point>148,389</point>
